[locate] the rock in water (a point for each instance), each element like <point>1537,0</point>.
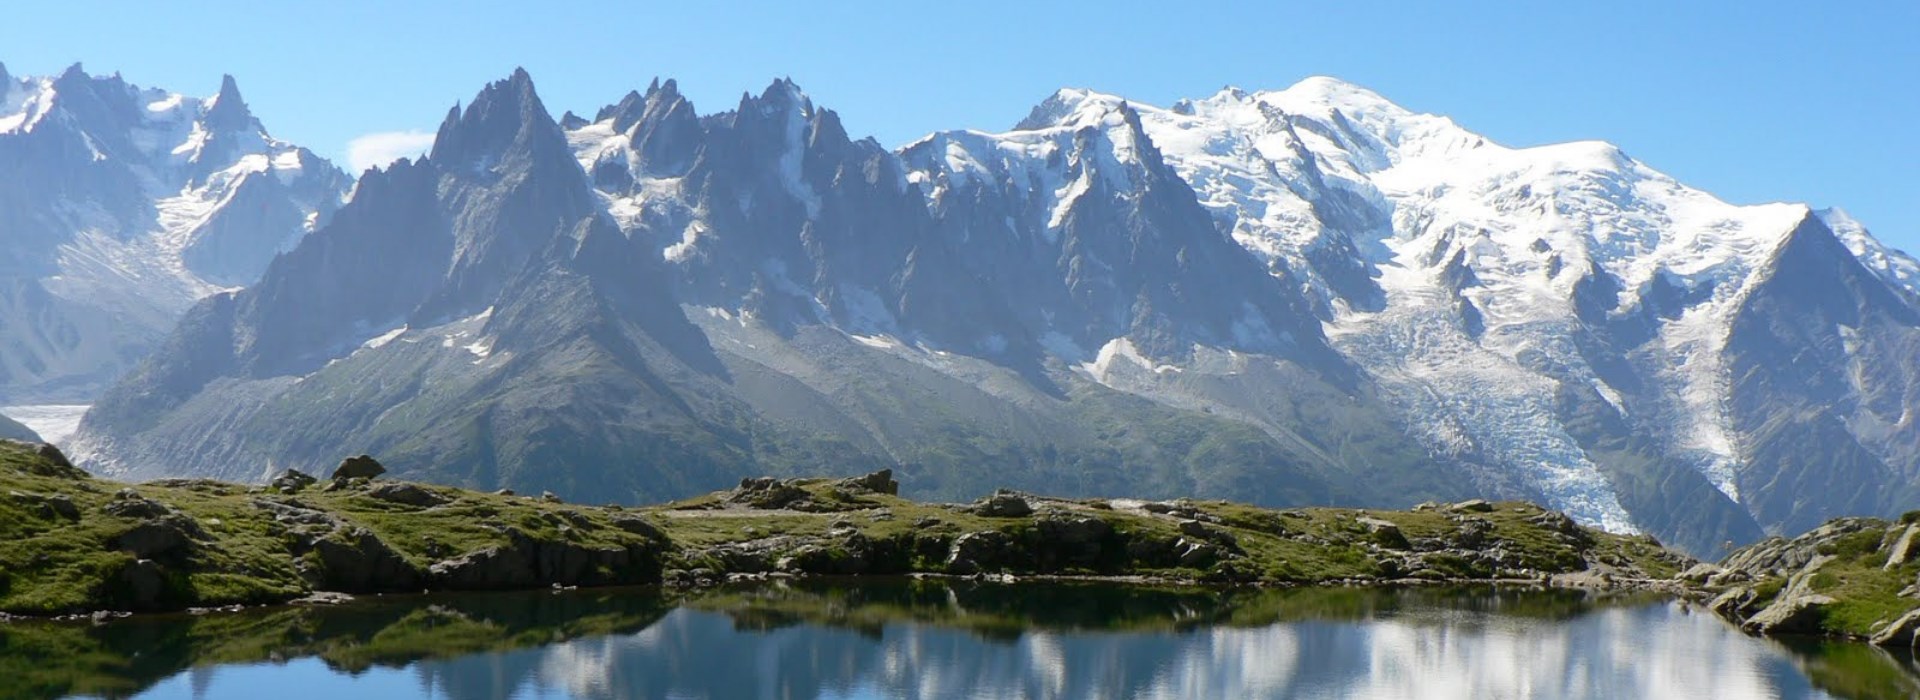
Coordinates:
<point>363,467</point>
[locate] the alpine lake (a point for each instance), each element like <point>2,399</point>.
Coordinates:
<point>946,638</point>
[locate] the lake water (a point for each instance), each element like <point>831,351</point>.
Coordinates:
<point>928,639</point>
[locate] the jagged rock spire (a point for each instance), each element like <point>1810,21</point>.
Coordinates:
<point>497,119</point>
<point>228,111</point>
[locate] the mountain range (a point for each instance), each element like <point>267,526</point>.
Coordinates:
<point>1294,296</point>
<point>122,207</point>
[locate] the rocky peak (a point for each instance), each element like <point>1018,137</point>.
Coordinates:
<point>227,112</point>
<point>506,120</point>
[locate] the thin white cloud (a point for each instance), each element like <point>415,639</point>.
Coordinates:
<point>382,148</point>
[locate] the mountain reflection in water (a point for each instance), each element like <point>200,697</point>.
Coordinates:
<point>935,639</point>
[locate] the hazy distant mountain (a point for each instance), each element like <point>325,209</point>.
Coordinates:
<point>1302,295</point>
<point>121,207</point>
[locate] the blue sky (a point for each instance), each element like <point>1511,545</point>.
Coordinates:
<point>1754,101</point>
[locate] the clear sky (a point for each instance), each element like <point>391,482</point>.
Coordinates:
<point>1755,101</point>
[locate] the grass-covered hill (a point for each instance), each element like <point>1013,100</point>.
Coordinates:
<point>71,543</point>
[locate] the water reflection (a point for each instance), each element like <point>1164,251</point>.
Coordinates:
<point>932,640</point>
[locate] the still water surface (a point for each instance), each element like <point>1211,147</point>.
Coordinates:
<point>925,639</point>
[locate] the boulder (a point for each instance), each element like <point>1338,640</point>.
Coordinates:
<point>1003,504</point>
<point>1472,506</point>
<point>877,482</point>
<point>1384,533</point>
<point>292,481</point>
<point>1901,632</point>
<point>406,494</point>
<point>361,467</point>
<point>1796,614</point>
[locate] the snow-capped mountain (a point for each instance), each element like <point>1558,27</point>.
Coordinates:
<point>1494,294</point>
<point>1302,295</point>
<point>122,206</point>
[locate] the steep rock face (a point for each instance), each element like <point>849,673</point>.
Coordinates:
<point>1822,355</point>
<point>123,205</point>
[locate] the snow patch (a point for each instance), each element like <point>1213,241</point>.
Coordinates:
<point>1121,349</point>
